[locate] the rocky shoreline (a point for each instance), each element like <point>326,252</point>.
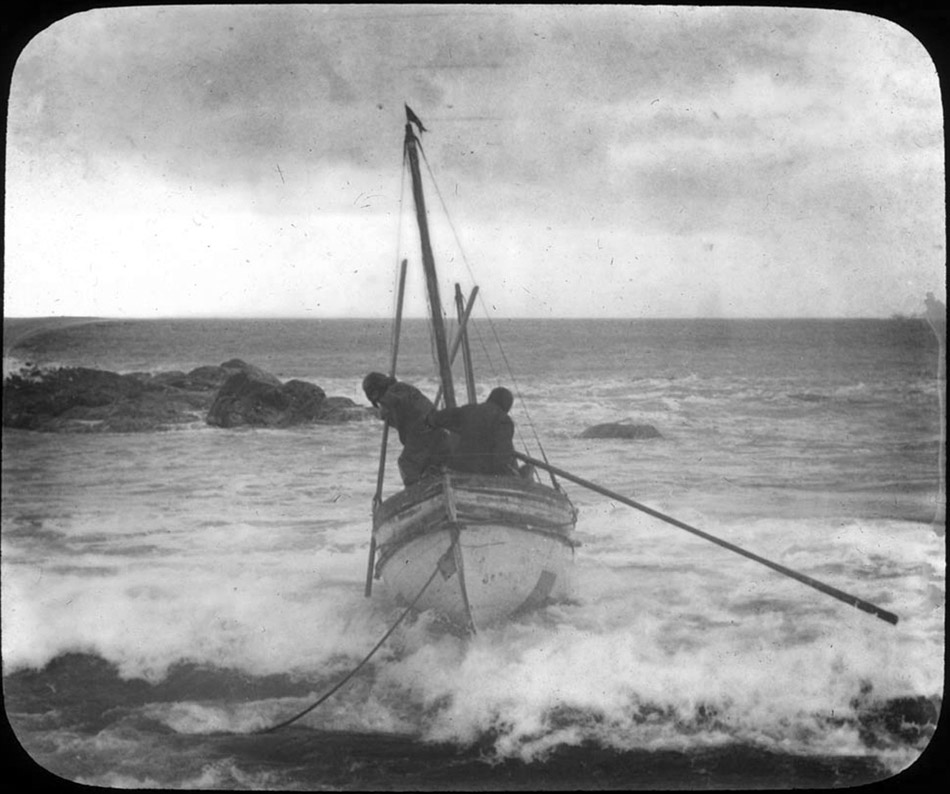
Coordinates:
<point>233,394</point>
<point>229,395</point>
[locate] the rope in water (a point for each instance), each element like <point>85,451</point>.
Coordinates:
<point>358,667</point>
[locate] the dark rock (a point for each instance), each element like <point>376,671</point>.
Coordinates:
<point>80,400</point>
<point>37,394</point>
<point>235,365</point>
<point>76,399</point>
<point>199,379</point>
<point>343,409</point>
<point>207,377</point>
<point>174,378</point>
<point>621,430</point>
<point>246,399</point>
<point>254,398</point>
<point>307,395</point>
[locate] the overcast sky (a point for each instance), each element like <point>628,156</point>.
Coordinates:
<point>595,162</point>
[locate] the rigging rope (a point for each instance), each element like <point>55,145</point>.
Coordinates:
<point>516,387</point>
<point>392,334</point>
<point>358,667</point>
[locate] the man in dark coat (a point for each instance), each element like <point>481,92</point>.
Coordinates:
<point>485,433</point>
<point>404,407</point>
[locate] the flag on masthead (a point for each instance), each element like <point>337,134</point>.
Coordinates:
<point>412,117</point>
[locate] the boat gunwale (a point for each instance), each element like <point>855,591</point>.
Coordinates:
<point>389,549</point>
<point>471,483</point>
<point>423,507</point>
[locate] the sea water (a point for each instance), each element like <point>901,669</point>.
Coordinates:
<point>168,596</point>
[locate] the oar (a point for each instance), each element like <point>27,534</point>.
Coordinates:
<point>847,598</point>
<point>378,497</point>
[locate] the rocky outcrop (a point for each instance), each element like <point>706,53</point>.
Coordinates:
<point>77,399</point>
<point>200,379</point>
<point>248,399</point>
<point>621,430</point>
<point>234,394</point>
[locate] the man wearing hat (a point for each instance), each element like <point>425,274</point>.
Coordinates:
<point>485,434</point>
<point>424,449</point>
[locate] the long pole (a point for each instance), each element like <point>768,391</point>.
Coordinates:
<point>378,497</point>
<point>428,264</point>
<point>847,598</point>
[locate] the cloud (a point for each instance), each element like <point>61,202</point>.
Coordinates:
<point>788,136</point>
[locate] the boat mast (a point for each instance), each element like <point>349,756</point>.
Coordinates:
<point>466,350</point>
<point>428,261</point>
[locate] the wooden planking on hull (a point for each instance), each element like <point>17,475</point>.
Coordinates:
<point>513,545</point>
<point>507,572</point>
<point>476,498</point>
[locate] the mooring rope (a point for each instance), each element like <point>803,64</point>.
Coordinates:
<point>358,667</point>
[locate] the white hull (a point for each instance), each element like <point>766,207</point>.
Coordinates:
<point>513,548</point>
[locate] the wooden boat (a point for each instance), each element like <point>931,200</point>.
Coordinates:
<point>479,549</point>
<point>502,545</point>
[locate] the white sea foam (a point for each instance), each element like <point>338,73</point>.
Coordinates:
<point>245,552</point>
<point>670,640</point>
